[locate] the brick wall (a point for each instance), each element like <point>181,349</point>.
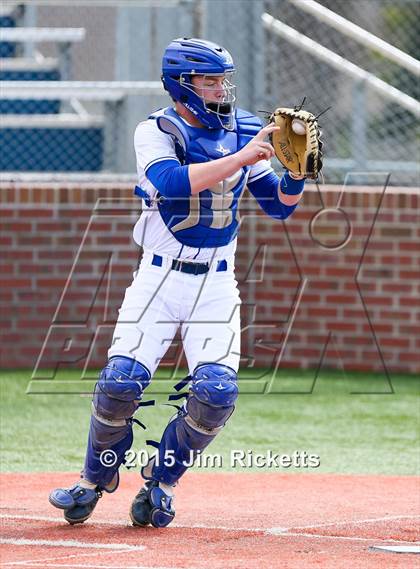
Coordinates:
<point>336,285</point>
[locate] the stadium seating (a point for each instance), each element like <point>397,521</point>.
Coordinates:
<point>37,134</point>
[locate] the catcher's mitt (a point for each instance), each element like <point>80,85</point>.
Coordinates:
<point>297,145</point>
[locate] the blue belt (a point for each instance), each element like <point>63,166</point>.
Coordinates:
<point>190,267</point>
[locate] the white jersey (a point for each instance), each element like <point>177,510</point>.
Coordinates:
<point>150,232</point>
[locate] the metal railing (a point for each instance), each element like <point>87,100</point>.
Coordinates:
<point>360,35</point>
<point>112,93</point>
<point>362,79</point>
<point>83,90</point>
<point>324,54</point>
<point>63,37</point>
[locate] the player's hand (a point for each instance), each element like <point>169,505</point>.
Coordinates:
<point>257,149</point>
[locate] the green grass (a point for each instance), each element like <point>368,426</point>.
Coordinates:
<point>352,433</point>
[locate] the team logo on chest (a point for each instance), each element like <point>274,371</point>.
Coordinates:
<point>222,150</point>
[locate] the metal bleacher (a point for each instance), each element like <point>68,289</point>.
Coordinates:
<point>34,135</point>
<point>45,126</point>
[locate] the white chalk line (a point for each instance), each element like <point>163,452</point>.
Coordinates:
<point>338,537</point>
<point>353,522</point>
<point>87,566</point>
<point>47,562</point>
<point>275,531</point>
<point>124,524</point>
<point>71,543</point>
<point>59,557</point>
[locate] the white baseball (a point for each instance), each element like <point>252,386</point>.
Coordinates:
<point>298,126</point>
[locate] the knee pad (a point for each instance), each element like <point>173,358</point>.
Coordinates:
<point>212,397</point>
<point>120,388</point>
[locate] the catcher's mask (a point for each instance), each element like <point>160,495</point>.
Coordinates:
<point>185,58</point>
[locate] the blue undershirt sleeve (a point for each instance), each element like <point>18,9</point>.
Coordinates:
<point>169,178</point>
<point>265,191</point>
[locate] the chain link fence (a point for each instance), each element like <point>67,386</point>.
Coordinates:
<point>124,40</point>
<point>362,129</point>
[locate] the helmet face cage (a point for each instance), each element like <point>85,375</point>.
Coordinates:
<point>217,112</point>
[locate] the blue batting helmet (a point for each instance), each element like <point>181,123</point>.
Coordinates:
<point>184,58</point>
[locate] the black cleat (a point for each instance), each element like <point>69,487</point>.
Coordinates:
<point>78,503</point>
<point>152,506</point>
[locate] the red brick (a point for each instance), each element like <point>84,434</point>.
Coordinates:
<point>306,324</point>
<point>305,353</point>
<point>40,324</point>
<point>17,254</point>
<point>51,283</point>
<point>16,226</point>
<point>309,270</point>
<point>377,245</point>
<point>408,217</point>
<point>323,312</point>
<point>356,313</point>
<point>395,314</point>
<point>14,282</point>
<point>348,326</point>
<point>314,298</point>
<point>409,301</point>
<point>34,213</point>
<point>396,231</point>
<point>79,213</point>
<point>397,287</point>
<point>286,283</point>
<point>356,340</point>
<point>34,268</point>
<point>377,300</point>
<point>410,275</point>
<point>55,226</point>
<point>6,296</point>
<point>114,240</point>
<point>410,329</point>
<point>341,299</point>
<point>409,246</point>
<point>340,272</point>
<point>33,240</point>
<point>410,357</point>
<point>395,342</point>
<point>54,254</point>
<point>323,285</point>
<point>378,327</point>
<point>365,286</point>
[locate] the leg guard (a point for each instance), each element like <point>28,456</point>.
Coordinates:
<point>210,403</point>
<point>116,398</point>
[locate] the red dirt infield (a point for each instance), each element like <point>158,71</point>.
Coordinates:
<point>223,521</point>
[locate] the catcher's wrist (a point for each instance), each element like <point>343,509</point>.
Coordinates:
<point>296,176</point>
<point>292,186</point>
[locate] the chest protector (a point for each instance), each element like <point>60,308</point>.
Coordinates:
<point>211,217</point>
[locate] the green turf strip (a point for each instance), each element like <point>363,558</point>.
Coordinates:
<point>353,422</point>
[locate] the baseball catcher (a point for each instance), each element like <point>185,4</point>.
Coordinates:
<point>194,160</point>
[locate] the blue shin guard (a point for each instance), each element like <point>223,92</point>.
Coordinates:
<point>210,403</point>
<point>116,398</point>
